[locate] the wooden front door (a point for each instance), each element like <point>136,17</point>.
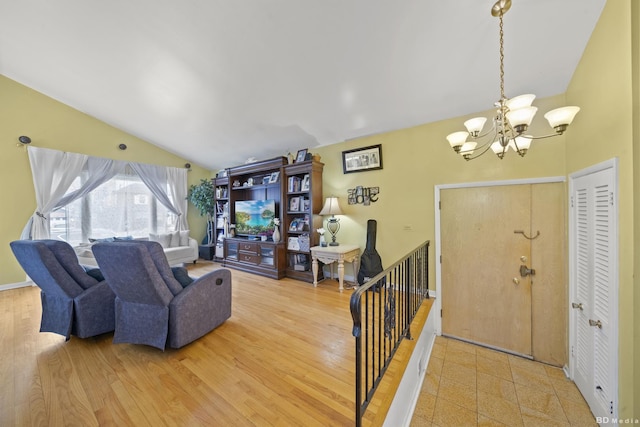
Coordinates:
<point>485,235</point>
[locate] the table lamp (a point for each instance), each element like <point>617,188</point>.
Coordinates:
<point>331,207</point>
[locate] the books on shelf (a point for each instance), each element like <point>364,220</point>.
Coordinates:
<point>294,184</point>
<point>299,204</point>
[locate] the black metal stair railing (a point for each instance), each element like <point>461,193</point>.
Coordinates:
<point>382,310</point>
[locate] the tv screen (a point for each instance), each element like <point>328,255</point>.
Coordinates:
<point>255,216</point>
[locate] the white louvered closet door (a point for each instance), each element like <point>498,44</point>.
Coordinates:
<point>594,289</point>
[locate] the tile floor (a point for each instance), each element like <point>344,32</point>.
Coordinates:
<point>468,385</point>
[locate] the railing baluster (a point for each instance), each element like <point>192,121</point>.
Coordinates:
<point>391,300</point>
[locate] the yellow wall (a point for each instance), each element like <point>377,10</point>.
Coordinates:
<point>414,161</point>
<point>51,124</point>
<point>635,28</point>
<point>603,86</point>
<point>419,158</point>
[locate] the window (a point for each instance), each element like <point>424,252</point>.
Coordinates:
<point>121,207</point>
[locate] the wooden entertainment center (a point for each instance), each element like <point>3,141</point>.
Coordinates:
<point>295,190</point>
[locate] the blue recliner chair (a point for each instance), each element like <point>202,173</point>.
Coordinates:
<point>152,307</point>
<point>73,302</point>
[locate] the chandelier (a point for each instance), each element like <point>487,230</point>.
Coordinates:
<point>512,118</point>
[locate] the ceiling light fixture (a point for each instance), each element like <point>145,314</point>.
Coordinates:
<point>512,118</point>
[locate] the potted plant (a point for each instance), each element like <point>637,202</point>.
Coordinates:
<point>202,196</point>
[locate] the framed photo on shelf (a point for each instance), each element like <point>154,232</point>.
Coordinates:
<point>362,159</point>
<point>274,177</point>
<point>302,155</point>
<point>305,183</point>
<point>293,244</point>
<point>294,204</point>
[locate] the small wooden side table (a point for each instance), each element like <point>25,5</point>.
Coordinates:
<point>331,254</point>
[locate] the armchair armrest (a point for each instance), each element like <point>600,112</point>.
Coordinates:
<point>200,307</point>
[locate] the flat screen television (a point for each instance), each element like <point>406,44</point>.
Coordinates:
<point>254,216</point>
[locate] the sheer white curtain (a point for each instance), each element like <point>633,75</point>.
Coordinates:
<point>162,182</point>
<point>53,173</point>
<point>177,179</point>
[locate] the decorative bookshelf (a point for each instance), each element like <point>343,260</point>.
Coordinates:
<point>296,190</point>
<point>303,202</point>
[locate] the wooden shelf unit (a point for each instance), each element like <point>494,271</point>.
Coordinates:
<point>255,181</point>
<point>302,183</point>
<point>221,185</point>
<point>253,256</point>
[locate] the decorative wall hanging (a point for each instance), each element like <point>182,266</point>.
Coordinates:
<point>362,159</point>
<point>362,195</point>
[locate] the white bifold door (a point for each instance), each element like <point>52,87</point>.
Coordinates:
<point>594,286</point>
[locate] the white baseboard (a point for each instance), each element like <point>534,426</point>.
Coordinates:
<point>16,285</point>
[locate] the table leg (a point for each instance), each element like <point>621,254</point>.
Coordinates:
<point>356,270</point>
<point>314,267</point>
<point>341,274</point>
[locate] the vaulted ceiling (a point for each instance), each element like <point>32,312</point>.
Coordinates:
<point>219,81</point>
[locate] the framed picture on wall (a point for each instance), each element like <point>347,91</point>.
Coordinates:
<point>362,159</point>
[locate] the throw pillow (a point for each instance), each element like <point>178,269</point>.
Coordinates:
<point>96,274</point>
<point>105,239</point>
<point>184,238</point>
<point>181,275</point>
<point>175,239</point>
<point>163,239</point>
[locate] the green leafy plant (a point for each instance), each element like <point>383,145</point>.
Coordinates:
<point>202,197</point>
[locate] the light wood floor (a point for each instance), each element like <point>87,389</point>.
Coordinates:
<point>284,358</point>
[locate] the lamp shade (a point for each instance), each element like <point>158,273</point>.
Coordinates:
<point>521,116</point>
<point>561,116</point>
<point>456,139</point>
<point>522,143</point>
<point>467,148</point>
<point>331,207</point>
<point>521,101</point>
<point>475,125</point>
<point>497,148</point>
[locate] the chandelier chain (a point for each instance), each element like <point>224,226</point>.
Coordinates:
<point>512,117</point>
<point>502,97</point>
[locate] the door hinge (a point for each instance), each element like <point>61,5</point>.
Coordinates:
<point>440,259</point>
<point>440,312</point>
<point>571,201</point>
<point>611,195</point>
<point>611,407</point>
<point>439,204</point>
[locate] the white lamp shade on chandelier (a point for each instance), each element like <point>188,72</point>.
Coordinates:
<point>513,117</point>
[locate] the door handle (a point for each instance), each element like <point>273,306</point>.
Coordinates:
<point>577,305</point>
<point>524,271</point>
<point>596,323</point>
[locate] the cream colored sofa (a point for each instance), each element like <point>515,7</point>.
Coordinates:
<point>176,253</point>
